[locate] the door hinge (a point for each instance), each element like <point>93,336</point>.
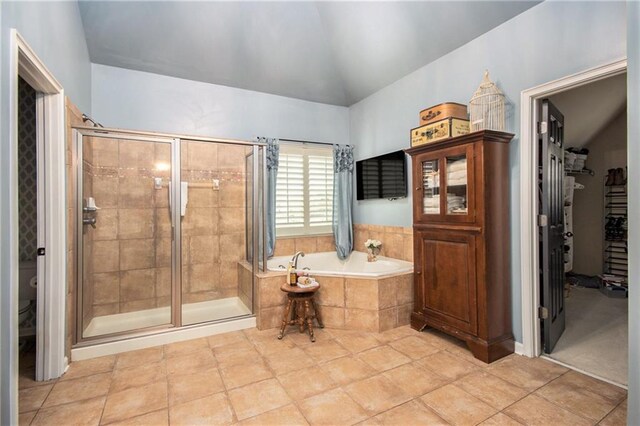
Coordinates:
<point>542,220</point>
<point>542,127</point>
<point>40,251</point>
<point>543,313</point>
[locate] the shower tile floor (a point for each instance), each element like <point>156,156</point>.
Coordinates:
<point>399,377</point>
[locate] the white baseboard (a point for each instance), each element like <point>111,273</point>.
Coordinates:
<point>142,342</point>
<point>519,348</point>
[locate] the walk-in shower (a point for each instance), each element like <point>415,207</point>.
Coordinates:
<point>163,224</point>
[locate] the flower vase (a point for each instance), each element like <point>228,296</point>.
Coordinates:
<point>372,254</point>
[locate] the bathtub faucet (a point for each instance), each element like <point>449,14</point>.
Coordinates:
<point>294,259</point>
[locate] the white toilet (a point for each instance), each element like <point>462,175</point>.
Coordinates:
<point>27,298</point>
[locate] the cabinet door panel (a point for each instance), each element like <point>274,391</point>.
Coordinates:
<point>449,290</point>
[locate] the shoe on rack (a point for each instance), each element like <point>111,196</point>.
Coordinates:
<point>611,177</point>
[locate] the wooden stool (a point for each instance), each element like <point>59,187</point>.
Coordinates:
<point>301,300</point>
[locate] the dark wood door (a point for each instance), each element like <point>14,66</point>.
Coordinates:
<point>552,224</point>
<point>446,264</point>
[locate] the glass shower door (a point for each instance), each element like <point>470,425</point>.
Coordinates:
<point>126,239</point>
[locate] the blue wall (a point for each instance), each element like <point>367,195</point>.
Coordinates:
<point>145,101</point>
<point>549,41</point>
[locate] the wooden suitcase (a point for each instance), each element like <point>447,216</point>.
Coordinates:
<point>443,129</point>
<point>442,111</point>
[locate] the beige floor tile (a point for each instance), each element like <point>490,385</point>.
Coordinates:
<point>457,407</point>
<point>334,407</point>
<point>583,395</point>
<point>491,389</point>
<point>287,415</point>
<point>226,339</point>
<point>193,362</point>
<point>411,413</point>
<point>500,419</point>
<point>383,358</point>
<point>258,398</point>
<point>303,384</point>
<point>156,418</point>
<point>85,412</point>
<point>25,419</point>
<point>617,417</point>
<point>135,402</point>
<point>185,347</point>
<point>357,341</point>
<point>527,373</point>
<point>187,387</point>
<point>26,379</point>
<point>413,347</point>
<point>376,394</point>
<point>447,365</point>
<point>414,380</point>
<point>243,374</point>
<point>269,344</point>
<point>125,378</point>
<point>302,339</point>
<point>139,357</point>
<point>534,410</point>
<point>67,391</point>
<point>348,369</point>
<point>287,360</point>
<point>89,367</point>
<point>211,410</point>
<point>242,357</point>
<point>325,351</point>
<point>31,399</point>
<point>396,333</point>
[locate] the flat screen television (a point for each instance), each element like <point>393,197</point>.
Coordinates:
<point>384,176</point>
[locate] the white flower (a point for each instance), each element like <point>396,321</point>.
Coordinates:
<point>370,244</point>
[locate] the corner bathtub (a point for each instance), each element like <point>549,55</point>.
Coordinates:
<point>356,265</point>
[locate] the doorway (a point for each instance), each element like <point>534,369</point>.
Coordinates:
<point>532,296</point>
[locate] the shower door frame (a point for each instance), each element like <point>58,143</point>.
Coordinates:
<point>174,321</point>
<point>176,140</point>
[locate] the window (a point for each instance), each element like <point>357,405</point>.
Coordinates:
<point>304,190</point>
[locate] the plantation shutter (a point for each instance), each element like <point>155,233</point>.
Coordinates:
<point>304,190</point>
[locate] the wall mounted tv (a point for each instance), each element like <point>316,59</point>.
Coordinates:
<point>384,176</point>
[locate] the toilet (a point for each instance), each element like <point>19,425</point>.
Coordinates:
<point>27,293</point>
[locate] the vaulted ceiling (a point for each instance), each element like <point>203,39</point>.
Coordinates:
<point>331,52</point>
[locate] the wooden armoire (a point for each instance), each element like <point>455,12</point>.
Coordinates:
<point>461,240</point>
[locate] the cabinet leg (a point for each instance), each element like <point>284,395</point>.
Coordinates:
<point>285,318</point>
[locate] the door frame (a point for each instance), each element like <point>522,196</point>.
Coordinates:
<point>529,262</point>
<point>50,329</point>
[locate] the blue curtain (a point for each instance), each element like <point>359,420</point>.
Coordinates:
<point>273,151</point>
<point>342,199</point>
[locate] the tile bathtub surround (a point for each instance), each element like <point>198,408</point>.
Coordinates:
<point>381,379</point>
<point>287,246</point>
<point>397,241</point>
<point>344,303</point>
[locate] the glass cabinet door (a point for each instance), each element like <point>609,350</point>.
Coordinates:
<point>457,184</point>
<point>431,187</point>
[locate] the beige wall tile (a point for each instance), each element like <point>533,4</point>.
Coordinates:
<point>105,256</point>
<point>270,317</point>
<point>106,224</point>
<point>231,220</point>
<point>388,319</point>
<point>306,244</point>
<point>137,254</point>
<point>106,288</point>
<point>404,293</point>
<point>285,247</point>
<point>393,245</point>
<point>105,191</point>
<point>136,223</point>
<point>231,158</point>
<point>202,197</point>
<point>332,317</point>
<point>110,309</point>
<point>200,221</point>
<point>137,284</point>
<point>232,194</point>
<point>135,191</point>
<point>203,277</point>
<point>408,247</point>
<point>163,282</point>
<point>105,151</point>
<point>231,247</point>
<point>136,154</point>
<point>270,293</point>
<point>387,289</point>
<point>163,223</point>
<point>203,249</point>
<point>404,314</point>
<point>163,252</point>
<point>331,291</point>
<point>361,294</point>
<point>361,319</point>
<point>325,243</point>
<point>203,155</point>
<point>229,278</point>
<point>140,305</point>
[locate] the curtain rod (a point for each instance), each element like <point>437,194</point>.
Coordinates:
<point>313,142</point>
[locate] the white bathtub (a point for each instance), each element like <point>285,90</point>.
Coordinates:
<point>328,263</point>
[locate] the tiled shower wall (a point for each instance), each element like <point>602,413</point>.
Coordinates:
<point>130,255</point>
<point>213,229</point>
<point>27,172</point>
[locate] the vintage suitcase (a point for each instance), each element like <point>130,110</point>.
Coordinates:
<point>439,130</point>
<point>442,111</point>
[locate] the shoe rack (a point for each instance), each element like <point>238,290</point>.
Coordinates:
<point>615,227</point>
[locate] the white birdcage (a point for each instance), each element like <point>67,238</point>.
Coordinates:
<point>486,107</point>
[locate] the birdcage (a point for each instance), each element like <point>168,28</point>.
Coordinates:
<point>486,107</point>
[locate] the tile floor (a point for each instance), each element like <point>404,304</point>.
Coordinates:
<point>399,377</point>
